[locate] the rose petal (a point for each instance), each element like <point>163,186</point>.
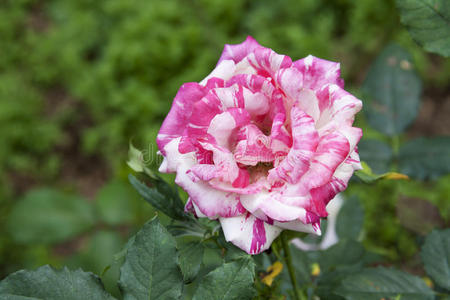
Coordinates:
<point>224,70</point>
<point>337,107</point>
<point>318,72</point>
<point>273,205</point>
<point>299,226</point>
<point>252,146</point>
<point>238,51</point>
<point>237,96</point>
<point>267,62</point>
<point>330,153</point>
<point>338,182</point>
<point>180,113</point>
<point>211,202</point>
<point>249,233</point>
<point>297,162</point>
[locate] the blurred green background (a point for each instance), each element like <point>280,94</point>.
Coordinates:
<point>80,79</point>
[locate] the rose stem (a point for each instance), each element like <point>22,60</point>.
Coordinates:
<point>288,260</point>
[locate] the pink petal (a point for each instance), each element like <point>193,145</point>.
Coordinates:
<point>252,146</point>
<point>305,141</point>
<point>224,70</point>
<point>203,112</point>
<point>211,202</point>
<point>180,113</point>
<point>226,167</point>
<point>299,226</point>
<point>338,182</point>
<point>290,81</point>
<point>276,206</point>
<point>238,96</point>
<point>280,138</point>
<point>330,153</point>
<point>241,185</point>
<point>319,72</point>
<point>221,128</point>
<point>253,82</point>
<point>337,107</point>
<point>267,62</point>
<point>239,51</point>
<point>249,233</point>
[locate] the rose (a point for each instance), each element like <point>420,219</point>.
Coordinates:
<point>262,143</point>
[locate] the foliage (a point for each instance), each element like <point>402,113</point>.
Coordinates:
<point>48,283</point>
<point>80,78</point>
<point>428,22</point>
<point>393,91</point>
<point>158,264</point>
<point>436,257</point>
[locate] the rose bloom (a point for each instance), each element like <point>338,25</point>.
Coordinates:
<point>262,143</point>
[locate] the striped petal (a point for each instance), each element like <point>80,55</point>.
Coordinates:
<point>249,233</point>
<point>211,202</point>
<point>237,52</point>
<point>305,141</point>
<point>318,72</point>
<point>180,113</point>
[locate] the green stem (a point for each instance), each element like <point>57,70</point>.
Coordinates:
<point>288,261</point>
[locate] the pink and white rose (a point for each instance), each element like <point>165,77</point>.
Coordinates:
<point>262,143</point>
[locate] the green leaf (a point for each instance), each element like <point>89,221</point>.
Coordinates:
<point>367,176</point>
<point>436,257</point>
<point>425,157</point>
<point>51,284</point>
<point>162,197</point>
<point>135,159</point>
<point>151,268</point>
<point>191,256</point>
<point>345,254</point>
<point>381,283</point>
<point>376,153</point>
<point>350,219</point>
<point>114,205</point>
<point>49,216</point>
<point>428,22</point>
<point>232,280</point>
<point>329,282</point>
<point>393,91</point>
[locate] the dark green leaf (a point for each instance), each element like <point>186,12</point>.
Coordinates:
<point>329,282</point>
<point>436,257</point>
<point>232,280</point>
<point>350,219</point>
<point>234,253</point>
<point>151,269</point>
<point>49,216</point>
<point>114,204</point>
<point>345,254</point>
<point>393,91</point>
<point>425,157</point>
<point>50,284</point>
<point>161,196</point>
<point>376,154</point>
<point>191,256</point>
<point>378,283</point>
<point>428,22</point>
